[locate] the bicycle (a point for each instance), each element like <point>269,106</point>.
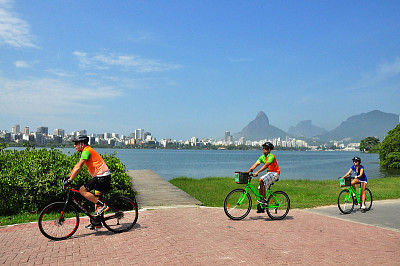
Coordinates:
<point>349,197</point>
<point>238,203</point>
<point>60,220</point>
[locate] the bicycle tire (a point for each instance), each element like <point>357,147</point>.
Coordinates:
<point>345,201</point>
<point>280,211</point>
<point>56,224</point>
<point>233,209</point>
<point>122,214</point>
<point>368,199</point>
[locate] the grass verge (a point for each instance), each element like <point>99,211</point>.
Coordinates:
<point>302,193</point>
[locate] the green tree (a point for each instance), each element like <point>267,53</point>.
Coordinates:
<point>389,149</point>
<point>369,144</point>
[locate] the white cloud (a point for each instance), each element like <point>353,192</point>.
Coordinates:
<point>105,61</point>
<point>22,64</point>
<point>60,72</point>
<point>14,32</point>
<point>384,71</point>
<point>50,96</point>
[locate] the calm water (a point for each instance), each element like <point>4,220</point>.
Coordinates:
<point>313,165</point>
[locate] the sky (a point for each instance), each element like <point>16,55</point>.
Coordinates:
<point>180,69</point>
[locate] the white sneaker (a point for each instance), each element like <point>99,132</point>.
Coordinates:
<point>363,207</point>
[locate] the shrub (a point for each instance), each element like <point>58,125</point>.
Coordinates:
<point>30,179</point>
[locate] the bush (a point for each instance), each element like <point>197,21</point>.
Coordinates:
<point>30,179</point>
<point>389,149</point>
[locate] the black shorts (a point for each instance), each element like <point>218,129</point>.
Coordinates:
<point>100,183</point>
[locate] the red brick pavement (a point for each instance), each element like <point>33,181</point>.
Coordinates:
<point>204,236</point>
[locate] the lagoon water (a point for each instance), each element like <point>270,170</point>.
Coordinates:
<point>312,165</point>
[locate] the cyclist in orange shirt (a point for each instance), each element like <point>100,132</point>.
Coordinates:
<point>101,176</point>
<point>273,171</point>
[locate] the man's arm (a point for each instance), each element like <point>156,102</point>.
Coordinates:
<point>254,166</point>
<point>265,166</point>
<point>77,168</point>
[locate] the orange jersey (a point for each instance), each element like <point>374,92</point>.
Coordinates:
<point>273,167</point>
<point>94,162</point>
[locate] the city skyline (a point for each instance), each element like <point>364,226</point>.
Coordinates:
<point>42,136</point>
<point>186,68</point>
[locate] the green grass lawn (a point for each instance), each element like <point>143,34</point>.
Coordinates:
<point>302,193</point>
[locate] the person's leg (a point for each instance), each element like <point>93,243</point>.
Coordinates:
<point>363,185</point>
<point>262,189</point>
<point>88,195</point>
<point>353,184</point>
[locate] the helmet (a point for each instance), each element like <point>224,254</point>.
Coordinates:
<point>357,159</point>
<point>269,145</point>
<point>81,138</point>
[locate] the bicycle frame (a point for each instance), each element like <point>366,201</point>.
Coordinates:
<point>358,194</point>
<point>70,199</point>
<point>258,196</point>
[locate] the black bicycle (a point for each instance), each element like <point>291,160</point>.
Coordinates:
<point>60,220</point>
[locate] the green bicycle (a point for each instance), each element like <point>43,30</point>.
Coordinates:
<point>349,197</point>
<point>238,203</point>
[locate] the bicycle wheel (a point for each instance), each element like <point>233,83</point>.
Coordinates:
<point>345,201</point>
<point>278,205</point>
<point>368,199</point>
<point>237,204</point>
<point>122,214</point>
<point>56,224</point>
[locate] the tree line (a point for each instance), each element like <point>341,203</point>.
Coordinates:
<point>388,149</point>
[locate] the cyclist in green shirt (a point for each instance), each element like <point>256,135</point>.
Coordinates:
<point>273,171</point>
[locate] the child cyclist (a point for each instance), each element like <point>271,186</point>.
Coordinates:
<point>273,171</point>
<point>101,176</point>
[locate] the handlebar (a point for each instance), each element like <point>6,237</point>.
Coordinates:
<point>346,176</point>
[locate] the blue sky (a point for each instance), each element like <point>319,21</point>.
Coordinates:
<point>195,68</point>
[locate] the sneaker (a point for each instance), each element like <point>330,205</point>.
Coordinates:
<point>101,210</point>
<point>92,226</point>
<point>262,201</point>
<point>260,209</point>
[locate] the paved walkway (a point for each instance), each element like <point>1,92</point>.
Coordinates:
<point>383,213</point>
<point>154,191</point>
<point>202,236</point>
<point>205,236</point>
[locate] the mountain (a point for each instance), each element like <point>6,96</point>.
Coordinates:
<point>306,129</point>
<point>358,127</point>
<point>259,129</point>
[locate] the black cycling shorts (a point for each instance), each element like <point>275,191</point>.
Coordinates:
<point>100,183</point>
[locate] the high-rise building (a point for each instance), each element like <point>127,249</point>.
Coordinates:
<point>15,129</point>
<point>82,132</point>
<point>227,135</point>
<point>43,130</point>
<point>59,132</point>
<point>139,133</point>
<point>25,131</point>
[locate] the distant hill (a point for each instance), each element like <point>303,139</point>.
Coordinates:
<point>372,124</point>
<point>358,127</point>
<point>306,129</point>
<point>259,129</point>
